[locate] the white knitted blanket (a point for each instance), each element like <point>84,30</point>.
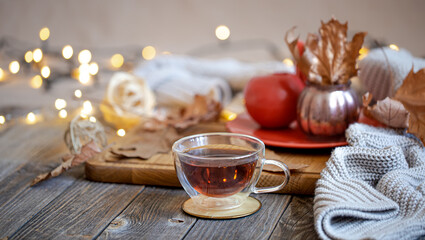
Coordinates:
<point>374,188</point>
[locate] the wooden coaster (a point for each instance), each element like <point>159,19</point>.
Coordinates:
<point>250,206</point>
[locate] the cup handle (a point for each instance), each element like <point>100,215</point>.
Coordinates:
<point>274,188</point>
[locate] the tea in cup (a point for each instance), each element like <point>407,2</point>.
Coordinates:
<point>220,170</point>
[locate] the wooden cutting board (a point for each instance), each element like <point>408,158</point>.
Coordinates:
<point>159,169</point>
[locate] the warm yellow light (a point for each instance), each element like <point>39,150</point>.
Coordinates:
<point>363,53</point>
<point>288,62</point>
<point>37,55</point>
<point>84,57</point>
<point>2,120</point>
<point>67,52</point>
<point>121,132</point>
<point>84,73</point>
<point>87,108</point>
<point>222,32</point>
<point>63,113</point>
<point>31,118</point>
<point>92,119</point>
<point>166,53</point>
<point>78,93</point>
<point>60,104</point>
<point>36,81</point>
<point>14,67</point>
<point>93,68</point>
<point>84,78</point>
<point>45,71</point>
<point>148,52</point>
<point>28,56</point>
<point>117,60</point>
<point>228,115</point>
<point>44,34</point>
<point>1,74</point>
<point>394,47</point>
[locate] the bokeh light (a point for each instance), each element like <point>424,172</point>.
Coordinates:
<point>117,60</point>
<point>14,67</point>
<point>37,55</point>
<point>60,104</point>
<point>45,71</point>
<point>63,113</point>
<point>1,74</point>
<point>78,93</point>
<point>288,62</point>
<point>93,68</point>
<point>44,34</point>
<point>28,56</point>
<point>394,47</point>
<point>36,82</point>
<point>222,32</point>
<point>121,132</point>
<point>148,53</point>
<point>84,57</point>
<point>67,52</point>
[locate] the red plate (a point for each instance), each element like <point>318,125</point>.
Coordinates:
<point>291,137</point>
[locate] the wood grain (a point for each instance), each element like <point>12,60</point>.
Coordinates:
<point>297,222</point>
<point>155,214</point>
<point>21,202</point>
<point>29,150</point>
<point>23,143</point>
<point>83,210</point>
<point>159,171</point>
<point>257,226</point>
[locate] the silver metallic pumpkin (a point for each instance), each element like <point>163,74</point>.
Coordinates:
<point>327,110</point>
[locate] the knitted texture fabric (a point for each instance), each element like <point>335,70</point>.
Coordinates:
<point>374,188</point>
<point>382,71</point>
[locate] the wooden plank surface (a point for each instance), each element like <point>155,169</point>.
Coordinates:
<point>297,222</point>
<point>25,203</point>
<point>257,226</point>
<point>26,151</point>
<point>83,210</point>
<point>155,214</point>
<point>40,143</point>
<point>159,169</point>
<point>71,207</point>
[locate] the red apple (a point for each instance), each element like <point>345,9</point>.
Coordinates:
<point>272,100</point>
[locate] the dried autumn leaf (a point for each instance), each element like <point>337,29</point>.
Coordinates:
<point>412,95</point>
<point>144,144</point>
<point>203,109</point>
<point>335,58</point>
<point>388,111</point>
<point>329,58</point>
<point>303,61</point>
<point>88,151</point>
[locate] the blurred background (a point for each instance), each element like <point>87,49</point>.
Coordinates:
<point>136,31</point>
<point>181,26</point>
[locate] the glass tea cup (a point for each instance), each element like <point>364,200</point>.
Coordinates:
<point>220,170</point>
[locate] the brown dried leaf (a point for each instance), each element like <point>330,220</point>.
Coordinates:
<point>203,109</point>
<point>144,144</point>
<point>329,58</point>
<point>412,95</point>
<point>270,154</point>
<point>88,151</point>
<point>388,111</point>
<point>303,61</point>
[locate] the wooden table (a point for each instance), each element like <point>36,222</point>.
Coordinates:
<point>70,207</point>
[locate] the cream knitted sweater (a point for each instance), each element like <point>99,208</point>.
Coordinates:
<point>374,188</point>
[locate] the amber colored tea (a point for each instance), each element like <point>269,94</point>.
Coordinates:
<point>216,174</point>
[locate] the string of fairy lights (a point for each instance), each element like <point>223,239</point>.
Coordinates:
<point>85,71</point>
